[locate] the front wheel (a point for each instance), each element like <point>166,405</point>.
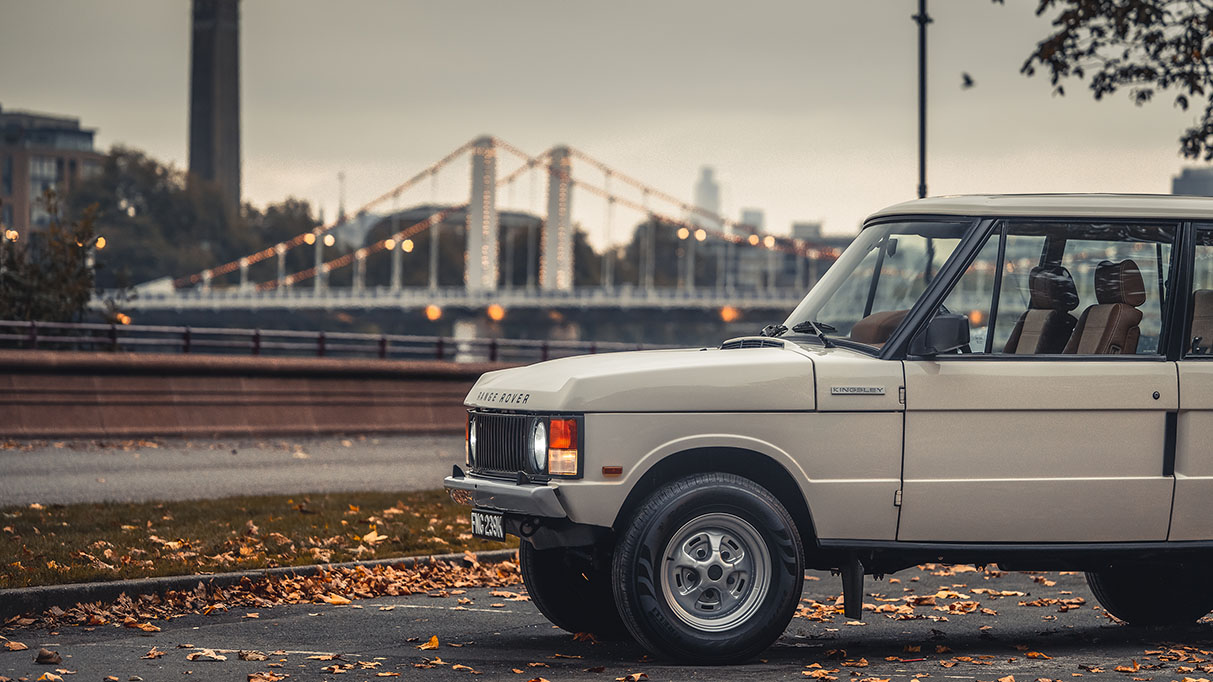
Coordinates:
<point>1154,594</point>
<point>709,569</point>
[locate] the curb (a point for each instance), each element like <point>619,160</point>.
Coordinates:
<point>24,600</point>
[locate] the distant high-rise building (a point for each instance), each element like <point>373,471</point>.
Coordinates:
<point>40,152</point>
<point>215,97</point>
<point>808,231</point>
<point>1193,182</point>
<point>755,218</point>
<point>707,197</point>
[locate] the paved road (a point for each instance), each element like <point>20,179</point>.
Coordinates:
<point>83,471</point>
<point>496,641</point>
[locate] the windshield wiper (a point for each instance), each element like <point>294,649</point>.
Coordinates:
<point>818,329</point>
<point>773,330</point>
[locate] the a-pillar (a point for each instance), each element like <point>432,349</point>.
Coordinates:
<point>556,265</point>
<point>481,274</point>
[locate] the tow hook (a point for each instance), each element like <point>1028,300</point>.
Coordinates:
<point>528,527</point>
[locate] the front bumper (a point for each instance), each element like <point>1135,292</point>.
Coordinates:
<point>506,496</point>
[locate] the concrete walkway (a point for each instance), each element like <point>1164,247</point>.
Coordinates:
<point>88,471</point>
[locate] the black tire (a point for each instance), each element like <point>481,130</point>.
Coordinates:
<point>570,592</point>
<point>1154,594</point>
<point>708,610</point>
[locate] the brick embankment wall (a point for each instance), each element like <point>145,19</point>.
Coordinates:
<point>52,394</point>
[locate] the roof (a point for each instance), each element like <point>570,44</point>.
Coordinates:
<point>1058,206</point>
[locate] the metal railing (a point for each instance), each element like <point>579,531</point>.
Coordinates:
<point>282,342</point>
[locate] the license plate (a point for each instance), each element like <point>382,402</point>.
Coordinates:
<point>487,524</point>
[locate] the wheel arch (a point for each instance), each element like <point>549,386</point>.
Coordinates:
<point>751,464</point>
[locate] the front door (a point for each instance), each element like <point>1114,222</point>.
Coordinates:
<point>1052,426</point>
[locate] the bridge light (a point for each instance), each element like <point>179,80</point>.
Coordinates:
<point>122,318</point>
<point>768,241</point>
<point>309,238</point>
<point>683,233</point>
<point>100,243</point>
<point>407,245</point>
<point>389,244</point>
<point>11,235</point>
<point>701,234</point>
<point>753,240</point>
<point>729,314</point>
<point>433,312</point>
<point>329,240</point>
<point>496,312</point>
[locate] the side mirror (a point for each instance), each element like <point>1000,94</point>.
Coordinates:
<point>943,334</point>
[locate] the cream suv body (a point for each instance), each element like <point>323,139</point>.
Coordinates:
<point>1024,380</point>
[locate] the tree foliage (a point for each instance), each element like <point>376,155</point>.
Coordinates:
<point>47,276</point>
<point>158,224</point>
<point>1146,47</point>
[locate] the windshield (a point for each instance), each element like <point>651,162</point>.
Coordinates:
<point>876,281</point>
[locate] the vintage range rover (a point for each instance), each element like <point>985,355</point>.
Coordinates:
<point>1025,380</point>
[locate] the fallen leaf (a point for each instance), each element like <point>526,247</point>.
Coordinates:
<point>266,677</point>
<point>430,645</point>
<point>252,656</point>
<point>1037,654</point>
<point>15,646</point>
<point>48,657</point>
<point>153,653</point>
<point>49,677</point>
<point>634,677</point>
<point>205,655</point>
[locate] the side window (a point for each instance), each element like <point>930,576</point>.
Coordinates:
<point>1200,340</point>
<point>1075,288</point>
<point>973,295</point>
<point>1092,288</point>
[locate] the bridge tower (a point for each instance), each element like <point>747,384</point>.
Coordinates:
<point>556,266</point>
<point>482,228</point>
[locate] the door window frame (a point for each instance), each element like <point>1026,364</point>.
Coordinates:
<point>1171,345</point>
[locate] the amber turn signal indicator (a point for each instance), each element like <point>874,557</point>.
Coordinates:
<point>562,434</point>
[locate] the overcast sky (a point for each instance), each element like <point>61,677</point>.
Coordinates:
<point>806,108</point>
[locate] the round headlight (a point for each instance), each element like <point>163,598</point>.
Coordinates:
<point>472,443</point>
<point>539,447</point>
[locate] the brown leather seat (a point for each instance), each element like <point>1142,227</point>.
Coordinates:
<point>1046,325</point>
<point>876,328</point>
<point>1110,326</point>
<point>1202,322</point>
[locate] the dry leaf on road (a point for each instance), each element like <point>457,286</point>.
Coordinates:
<point>430,645</point>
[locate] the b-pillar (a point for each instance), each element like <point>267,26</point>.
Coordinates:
<point>482,218</point>
<point>556,266</point>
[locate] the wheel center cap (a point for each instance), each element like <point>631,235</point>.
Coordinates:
<point>715,572</point>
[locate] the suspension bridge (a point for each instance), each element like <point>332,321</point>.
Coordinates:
<point>673,255</point>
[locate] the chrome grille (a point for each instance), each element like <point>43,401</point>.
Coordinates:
<point>501,442</point>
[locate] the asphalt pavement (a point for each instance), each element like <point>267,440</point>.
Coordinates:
<point>506,639</point>
<point>138,470</point>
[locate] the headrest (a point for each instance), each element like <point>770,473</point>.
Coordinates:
<point>1119,283</point>
<point>1052,288</point>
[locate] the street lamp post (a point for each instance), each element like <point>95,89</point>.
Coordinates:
<point>922,19</point>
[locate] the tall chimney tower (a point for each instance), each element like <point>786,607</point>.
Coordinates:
<point>215,98</point>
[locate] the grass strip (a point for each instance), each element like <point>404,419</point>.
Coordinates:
<point>56,544</point>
